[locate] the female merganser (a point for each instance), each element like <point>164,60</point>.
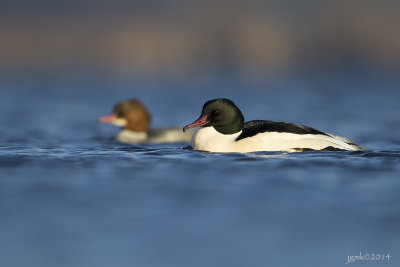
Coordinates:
<point>135,120</point>
<point>223,130</point>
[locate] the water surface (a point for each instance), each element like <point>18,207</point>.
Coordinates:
<point>72,196</point>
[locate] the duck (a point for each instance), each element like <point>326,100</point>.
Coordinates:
<point>222,129</point>
<point>134,119</point>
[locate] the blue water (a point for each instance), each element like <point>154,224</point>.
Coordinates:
<point>72,196</point>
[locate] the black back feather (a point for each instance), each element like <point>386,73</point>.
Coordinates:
<point>252,128</point>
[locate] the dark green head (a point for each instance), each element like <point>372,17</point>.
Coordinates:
<point>222,114</point>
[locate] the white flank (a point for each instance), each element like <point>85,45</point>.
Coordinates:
<point>163,135</point>
<point>169,135</point>
<point>208,139</point>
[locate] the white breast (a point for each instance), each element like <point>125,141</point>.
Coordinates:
<point>131,137</point>
<point>208,139</point>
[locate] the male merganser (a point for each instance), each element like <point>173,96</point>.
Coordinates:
<point>135,120</point>
<point>223,130</point>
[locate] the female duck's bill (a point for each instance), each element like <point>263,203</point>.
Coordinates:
<point>135,119</point>
<point>223,130</point>
<point>113,119</point>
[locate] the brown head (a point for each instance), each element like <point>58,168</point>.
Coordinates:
<point>130,114</point>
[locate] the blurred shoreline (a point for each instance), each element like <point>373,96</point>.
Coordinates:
<point>183,41</point>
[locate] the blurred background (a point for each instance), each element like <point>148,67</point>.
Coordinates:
<point>278,60</point>
<point>181,40</point>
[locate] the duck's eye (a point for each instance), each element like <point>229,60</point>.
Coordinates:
<point>216,112</point>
